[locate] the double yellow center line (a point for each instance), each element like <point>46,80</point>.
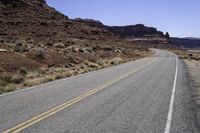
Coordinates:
<point>57,109</point>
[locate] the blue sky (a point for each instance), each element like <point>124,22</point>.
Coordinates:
<point>181,18</point>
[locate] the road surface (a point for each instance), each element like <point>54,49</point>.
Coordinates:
<point>150,95</point>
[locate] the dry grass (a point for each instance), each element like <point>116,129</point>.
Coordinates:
<point>9,88</point>
<point>23,78</point>
<point>9,81</point>
<point>48,79</point>
<point>183,54</point>
<point>17,79</point>
<point>60,76</point>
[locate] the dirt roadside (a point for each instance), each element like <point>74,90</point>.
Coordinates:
<point>193,67</point>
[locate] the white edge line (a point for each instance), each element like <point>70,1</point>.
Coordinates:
<point>169,117</point>
<point>52,82</point>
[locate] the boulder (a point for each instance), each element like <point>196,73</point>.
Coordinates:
<point>59,45</point>
<point>3,50</point>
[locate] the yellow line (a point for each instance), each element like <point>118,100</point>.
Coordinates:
<point>57,109</point>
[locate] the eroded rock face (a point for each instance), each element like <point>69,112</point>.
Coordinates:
<point>138,30</point>
<point>138,33</point>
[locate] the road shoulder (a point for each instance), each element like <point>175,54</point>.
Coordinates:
<point>186,111</point>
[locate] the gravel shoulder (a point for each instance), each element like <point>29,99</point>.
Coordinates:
<point>193,67</point>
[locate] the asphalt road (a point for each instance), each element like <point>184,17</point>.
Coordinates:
<point>150,95</point>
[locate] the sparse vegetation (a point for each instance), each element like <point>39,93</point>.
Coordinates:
<point>93,65</point>
<point>9,88</point>
<point>22,71</point>
<point>59,76</point>
<point>6,86</point>
<point>188,55</point>
<point>19,47</point>
<point>17,79</point>
<point>45,50</point>
<point>9,81</point>
<point>68,73</point>
<point>3,83</point>
<point>6,77</point>
<point>48,79</point>
<point>39,55</point>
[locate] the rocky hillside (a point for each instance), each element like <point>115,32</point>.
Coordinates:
<point>27,26</point>
<point>138,30</point>
<point>35,21</point>
<point>39,44</point>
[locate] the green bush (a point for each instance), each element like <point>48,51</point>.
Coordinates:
<point>19,47</point>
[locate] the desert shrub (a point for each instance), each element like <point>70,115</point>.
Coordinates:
<point>67,65</point>
<point>112,62</point>
<point>75,72</point>
<point>72,59</point>
<point>19,47</point>
<point>50,44</point>
<point>59,76</point>
<point>48,79</point>
<point>9,88</point>
<point>7,77</point>
<point>40,55</point>
<point>82,66</point>
<point>29,83</point>
<point>17,79</point>
<point>43,70</point>
<point>68,74</point>
<point>3,83</point>
<point>59,70</point>
<point>93,65</point>
<point>22,71</point>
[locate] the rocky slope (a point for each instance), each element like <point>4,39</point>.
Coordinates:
<point>33,25</point>
<point>39,44</point>
<point>35,21</point>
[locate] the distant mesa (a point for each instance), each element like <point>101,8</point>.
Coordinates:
<point>187,43</point>
<point>138,30</point>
